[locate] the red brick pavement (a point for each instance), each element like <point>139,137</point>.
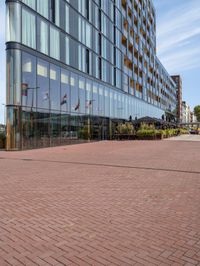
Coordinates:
<point>107,203</point>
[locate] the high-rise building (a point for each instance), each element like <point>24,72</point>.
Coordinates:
<point>77,67</point>
<point>177,79</point>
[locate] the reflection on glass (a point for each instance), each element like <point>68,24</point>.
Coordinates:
<point>65,91</point>
<point>75,101</point>
<point>54,88</point>
<point>43,95</point>
<point>43,37</point>
<point>28,29</point>
<point>82,94</point>
<point>28,88</point>
<point>95,106</point>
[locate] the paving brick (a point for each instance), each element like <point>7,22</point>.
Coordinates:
<point>106,203</point>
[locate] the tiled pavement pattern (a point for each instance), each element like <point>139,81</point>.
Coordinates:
<point>186,138</point>
<point>106,203</point>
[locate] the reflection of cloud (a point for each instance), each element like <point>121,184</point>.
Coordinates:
<point>178,33</point>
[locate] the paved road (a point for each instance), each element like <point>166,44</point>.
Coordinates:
<point>106,203</point>
<point>186,138</point>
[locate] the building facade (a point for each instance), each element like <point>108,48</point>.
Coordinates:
<point>178,81</point>
<point>77,67</point>
<point>186,113</point>
<point>193,118</point>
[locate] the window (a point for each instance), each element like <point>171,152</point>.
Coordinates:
<point>54,43</point>
<point>30,3</point>
<point>13,62</point>
<point>54,87</point>
<point>28,88</point>
<point>88,35</point>
<point>28,29</point>
<point>89,100</point>
<point>82,58</point>
<point>43,95</point>
<point>67,50</point>
<point>82,31</point>
<point>104,67</point>
<point>87,61</point>
<point>65,91</point>
<point>107,102</point>
<point>87,9</point>
<point>55,12</point>
<point>75,100</point>
<point>67,19</point>
<point>82,94</point>
<point>101,101</point>
<point>111,103</point>
<point>103,47</point>
<point>95,99</point>
<point>95,66</point>
<point>43,37</point>
<point>13,15</point>
<point>43,7</point>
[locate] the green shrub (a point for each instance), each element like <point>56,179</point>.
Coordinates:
<point>147,127</point>
<point>146,133</point>
<point>83,133</point>
<point>2,140</point>
<point>126,128</point>
<point>184,131</point>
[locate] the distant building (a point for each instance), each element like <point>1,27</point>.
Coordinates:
<point>186,116</point>
<point>193,117</point>
<point>178,81</point>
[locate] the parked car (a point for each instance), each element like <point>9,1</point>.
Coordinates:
<point>194,131</point>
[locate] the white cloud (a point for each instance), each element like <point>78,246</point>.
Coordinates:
<point>178,37</point>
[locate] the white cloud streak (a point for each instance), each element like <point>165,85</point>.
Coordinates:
<point>178,37</point>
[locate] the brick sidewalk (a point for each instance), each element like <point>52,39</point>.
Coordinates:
<point>107,203</point>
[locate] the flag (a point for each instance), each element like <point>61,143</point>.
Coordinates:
<point>24,89</point>
<point>64,99</point>
<point>77,106</point>
<point>46,96</point>
<point>89,104</point>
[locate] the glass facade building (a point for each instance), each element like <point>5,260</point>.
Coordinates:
<point>75,68</point>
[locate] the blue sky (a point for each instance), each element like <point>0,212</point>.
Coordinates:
<point>178,45</point>
<point>2,60</point>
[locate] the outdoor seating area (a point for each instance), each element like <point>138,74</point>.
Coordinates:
<point>148,128</point>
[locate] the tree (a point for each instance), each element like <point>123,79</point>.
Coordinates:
<point>197,112</point>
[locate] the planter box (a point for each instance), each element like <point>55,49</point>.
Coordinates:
<point>146,137</point>
<point>124,137</point>
<point>2,144</point>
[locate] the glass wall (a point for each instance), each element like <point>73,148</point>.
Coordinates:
<point>28,29</point>
<point>43,36</point>
<point>43,7</point>
<point>81,34</point>
<point>13,77</point>
<point>28,86</point>
<point>58,106</point>
<point>31,3</point>
<point>54,43</point>
<point>13,25</point>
